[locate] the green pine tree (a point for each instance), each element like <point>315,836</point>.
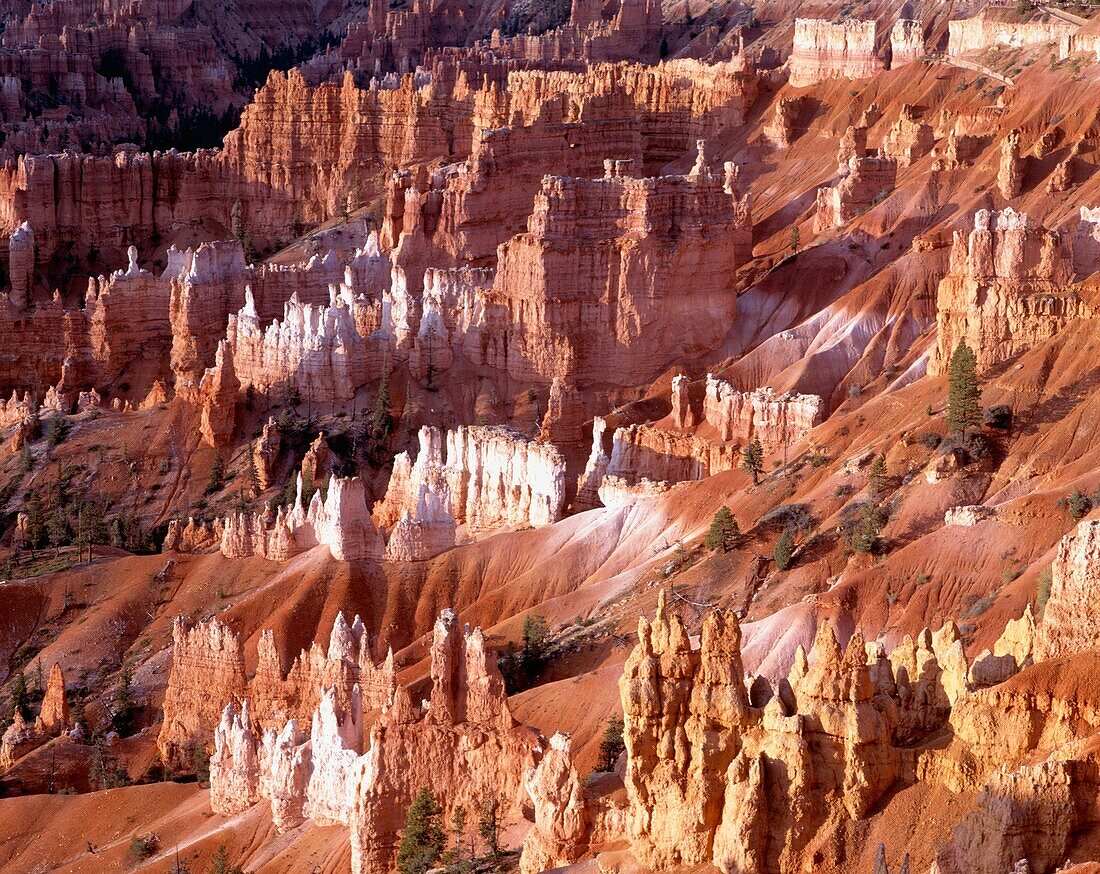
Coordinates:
<point>752,460</point>
<point>20,697</point>
<point>381,420</point>
<point>963,391</point>
<point>220,864</point>
<point>612,744</point>
<point>865,537</point>
<point>724,533</point>
<point>422,840</point>
<point>876,479</point>
<point>784,549</point>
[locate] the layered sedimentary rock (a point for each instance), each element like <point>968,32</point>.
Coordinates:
<point>207,671</point>
<point>1069,624</point>
<point>340,520</point>
<point>869,180</point>
<point>218,392</point>
<point>909,138</point>
<point>829,50</point>
<point>642,455</point>
<point>987,30</point>
<point>21,264</point>
<point>265,454</point>
<point>362,771</point>
<point>631,32</point>
<point>776,420</point>
<point>704,766</point>
<point>1006,289</point>
<point>906,42</point>
<point>479,477</point>
<point>583,293</point>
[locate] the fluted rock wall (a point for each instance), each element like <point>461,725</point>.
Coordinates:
<point>776,420</point>
<point>830,50</point>
<point>869,180</point>
<point>985,31</point>
<point>479,477</point>
<point>1007,288</point>
<point>207,671</point>
<point>341,521</point>
<point>583,293</point>
<point>906,42</point>
<point>364,761</point>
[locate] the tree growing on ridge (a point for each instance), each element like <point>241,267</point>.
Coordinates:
<point>963,390</point>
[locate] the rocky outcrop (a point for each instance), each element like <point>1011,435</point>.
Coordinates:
<point>265,454</point>
<point>776,420</point>
<point>479,477</point>
<point>19,739</point>
<point>554,786</point>
<point>1007,288</point>
<point>832,50</point>
<point>988,29</point>
<point>362,766</point>
<point>704,765</point>
<point>217,394</point>
<point>1010,173</point>
<point>909,138</point>
<point>1068,625</point>
<point>581,295</point>
<point>340,520</point>
<point>906,42</point>
<point>53,716</point>
<point>21,265</point>
<point>869,181</point>
<point>207,671</point>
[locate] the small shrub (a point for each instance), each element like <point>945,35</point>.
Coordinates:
<point>1042,590</point>
<point>929,440</point>
<point>784,549</point>
<point>1076,504</point>
<point>979,607</point>
<point>612,744</point>
<point>141,848</point>
<point>998,417</point>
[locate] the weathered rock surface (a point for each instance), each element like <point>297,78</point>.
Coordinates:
<point>828,50</point>
<point>1007,288</point>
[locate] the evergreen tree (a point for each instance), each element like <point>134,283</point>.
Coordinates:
<point>724,533</point>
<point>963,391</point>
<point>122,703</point>
<point>58,530</point>
<point>458,831</point>
<point>422,840</point>
<point>612,744</point>
<point>876,479</point>
<point>381,420</point>
<point>219,862</point>
<point>796,239</point>
<point>200,764</point>
<point>488,825</point>
<point>866,534</point>
<point>26,460</point>
<point>36,521</point>
<point>752,460</point>
<point>217,474</point>
<point>784,549</point>
<point>253,475</point>
<point>20,697</point>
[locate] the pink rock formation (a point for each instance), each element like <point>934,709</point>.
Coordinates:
<point>906,42</point>
<point>1006,289</point>
<point>986,30</point>
<point>583,290</point>
<point>53,717</point>
<point>829,50</point>
<point>466,747</point>
<point>869,181</point>
<point>1068,624</point>
<point>340,521</point>
<point>218,399</point>
<point>265,454</point>
<point>207,671</point>
<point>21,265</point>
<point>1010,174</point>
<point>19,739</point>
<point>909,138</point>
<point>776,420</point>
<point>557,793</point>
<point>489,478</point>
